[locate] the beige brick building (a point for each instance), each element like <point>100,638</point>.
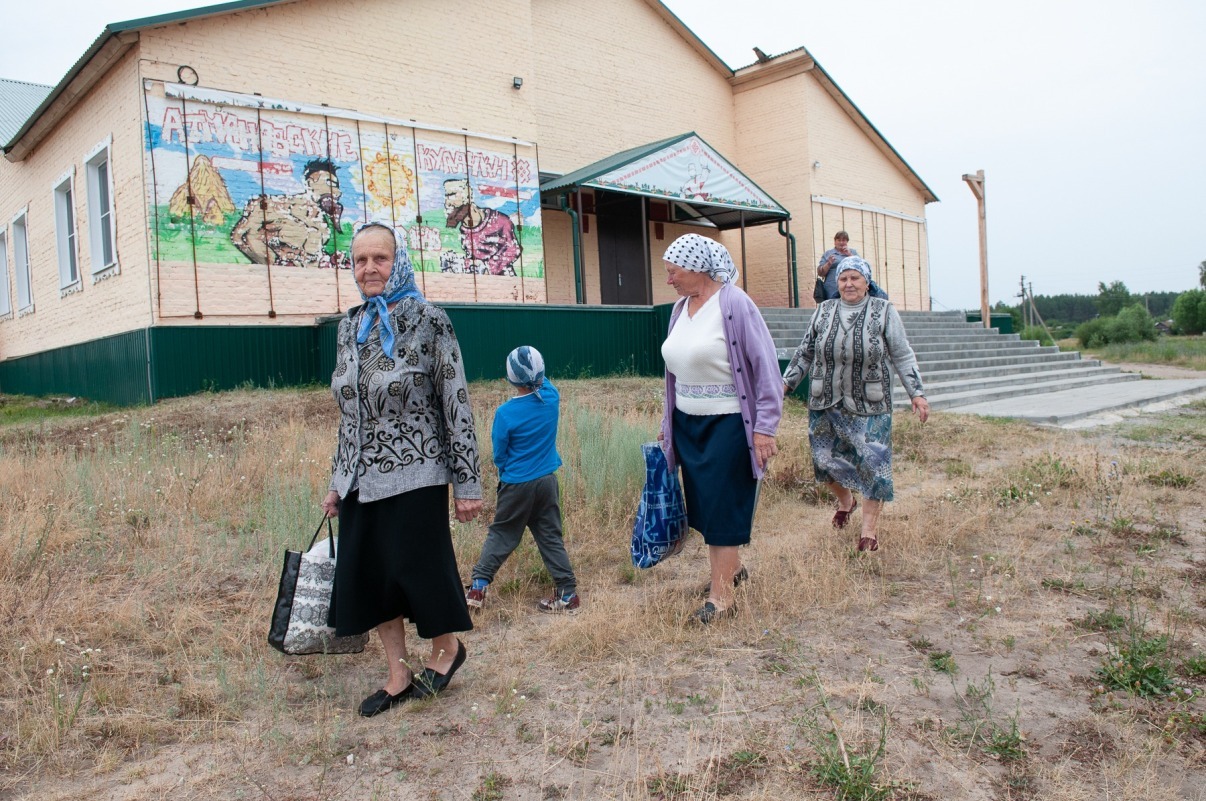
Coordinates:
<point>207,168</point>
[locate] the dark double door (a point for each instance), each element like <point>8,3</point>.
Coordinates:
<point>624,278</point>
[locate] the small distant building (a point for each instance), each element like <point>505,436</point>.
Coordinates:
<point>206,169</point>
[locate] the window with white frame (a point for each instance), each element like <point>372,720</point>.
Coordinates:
<point>6,300</point>
<point>101,227</point>
<point>20,234</point>
<point>65,236</point>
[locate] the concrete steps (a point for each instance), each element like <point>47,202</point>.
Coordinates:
<point>964,363</point>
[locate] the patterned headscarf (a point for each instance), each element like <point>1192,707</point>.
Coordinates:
<point>857,264</point>
<point>399,285</point>
<point>525,367</point>
<point>702,255</point>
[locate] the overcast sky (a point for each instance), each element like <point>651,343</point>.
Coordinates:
<point>1087,116</point>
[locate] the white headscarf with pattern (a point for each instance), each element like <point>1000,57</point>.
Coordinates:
<point>702,255</point>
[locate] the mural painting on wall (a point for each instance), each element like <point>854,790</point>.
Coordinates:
<point>277,186</point>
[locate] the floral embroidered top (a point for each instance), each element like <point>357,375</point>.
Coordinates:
<point>405,419</point>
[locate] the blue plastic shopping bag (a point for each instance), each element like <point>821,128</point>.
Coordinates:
<point>661,522</point>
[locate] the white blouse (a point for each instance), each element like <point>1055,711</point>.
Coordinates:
<point>696,355</point>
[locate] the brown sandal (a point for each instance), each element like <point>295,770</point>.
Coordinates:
<point>841,518</point>
<point>868,544</point>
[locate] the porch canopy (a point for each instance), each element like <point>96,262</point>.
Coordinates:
<point>677,180</point>
<point>699,184</point>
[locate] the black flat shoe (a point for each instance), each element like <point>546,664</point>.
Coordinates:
<point>381,701</point>
<point>707,613</point>
<point>429,682</point>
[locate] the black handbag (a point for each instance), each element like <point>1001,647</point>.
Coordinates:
<point>303,601</point>
<point>818,292</point>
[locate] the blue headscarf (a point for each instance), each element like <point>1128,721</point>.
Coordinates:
<point>525,367</point>
<point>399,285</point>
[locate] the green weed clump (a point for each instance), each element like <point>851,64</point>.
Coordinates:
<point>980,725</point>
<point>1141,666</point>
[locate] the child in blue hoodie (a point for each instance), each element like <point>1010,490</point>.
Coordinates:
<point>525,451</point>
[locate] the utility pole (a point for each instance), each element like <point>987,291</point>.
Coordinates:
<point>976,184</point>
<point>1022,295</point>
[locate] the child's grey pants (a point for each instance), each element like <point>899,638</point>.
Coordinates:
<point>531,504</point>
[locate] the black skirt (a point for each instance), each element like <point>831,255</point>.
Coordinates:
<point>718,481</point>
<point>395,559</point>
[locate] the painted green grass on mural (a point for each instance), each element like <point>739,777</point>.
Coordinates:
<point>176,236</point>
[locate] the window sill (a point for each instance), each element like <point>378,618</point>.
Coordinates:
<point>28,310</point>
<point>71,289</point>
<point>108,271</point>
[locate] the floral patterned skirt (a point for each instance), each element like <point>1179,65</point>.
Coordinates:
<point>852,450</point>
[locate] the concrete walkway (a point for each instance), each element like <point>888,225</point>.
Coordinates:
<point>1098,405</point>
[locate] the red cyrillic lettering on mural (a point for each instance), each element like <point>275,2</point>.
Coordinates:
<point>475,163</point>
<point>228,128</point>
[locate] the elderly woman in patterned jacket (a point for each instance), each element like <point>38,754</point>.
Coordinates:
<point>405,433</point>
<point>846,351</point>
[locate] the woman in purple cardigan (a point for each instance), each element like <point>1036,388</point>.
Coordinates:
<point>724,398</point>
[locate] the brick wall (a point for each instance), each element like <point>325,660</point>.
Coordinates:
<point>119,302</point>
<point>853,168</point>
<point>612,76</point>
<point>598,78</point>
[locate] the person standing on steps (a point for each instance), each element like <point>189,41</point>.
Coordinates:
<point>826,268</point>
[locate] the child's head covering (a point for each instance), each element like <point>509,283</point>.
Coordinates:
<point>525,367</point>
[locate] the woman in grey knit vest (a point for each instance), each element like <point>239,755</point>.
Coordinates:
<point>846,352</point>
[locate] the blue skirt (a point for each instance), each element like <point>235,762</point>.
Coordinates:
<point>718,482</point>
<point>852,450</point>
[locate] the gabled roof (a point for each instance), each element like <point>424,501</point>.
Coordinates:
<point>118,37</point>
<point>113,42</point>
<point>778,64</point>
<point>18,99</point>
<point>696,180</point>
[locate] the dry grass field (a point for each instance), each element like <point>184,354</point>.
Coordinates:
<point>1033,626</point>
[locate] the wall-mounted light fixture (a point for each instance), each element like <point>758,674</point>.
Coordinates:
<point>517,82</point>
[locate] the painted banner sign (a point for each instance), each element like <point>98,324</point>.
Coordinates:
<point>688,170</point>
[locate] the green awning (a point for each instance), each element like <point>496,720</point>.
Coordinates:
<point>699,184</point>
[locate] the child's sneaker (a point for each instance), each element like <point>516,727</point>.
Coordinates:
<point>475,598</point>
<point>563,604</point>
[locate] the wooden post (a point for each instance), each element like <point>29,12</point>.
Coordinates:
<point>976,183</point>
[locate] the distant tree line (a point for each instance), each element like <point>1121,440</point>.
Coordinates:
<point>1113,314</point>
<point>1074,309</point>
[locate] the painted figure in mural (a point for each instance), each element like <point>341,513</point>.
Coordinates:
<point>487,236</point>
<point>294,229</point>
<point>694,187</point>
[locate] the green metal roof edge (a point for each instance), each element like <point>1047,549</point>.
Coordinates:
<point>696,36</point>
<point>778,211</point>
<point>188,14</point>
<point>608,163</point>
<point>114,28</point>
<point>817,65</point>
